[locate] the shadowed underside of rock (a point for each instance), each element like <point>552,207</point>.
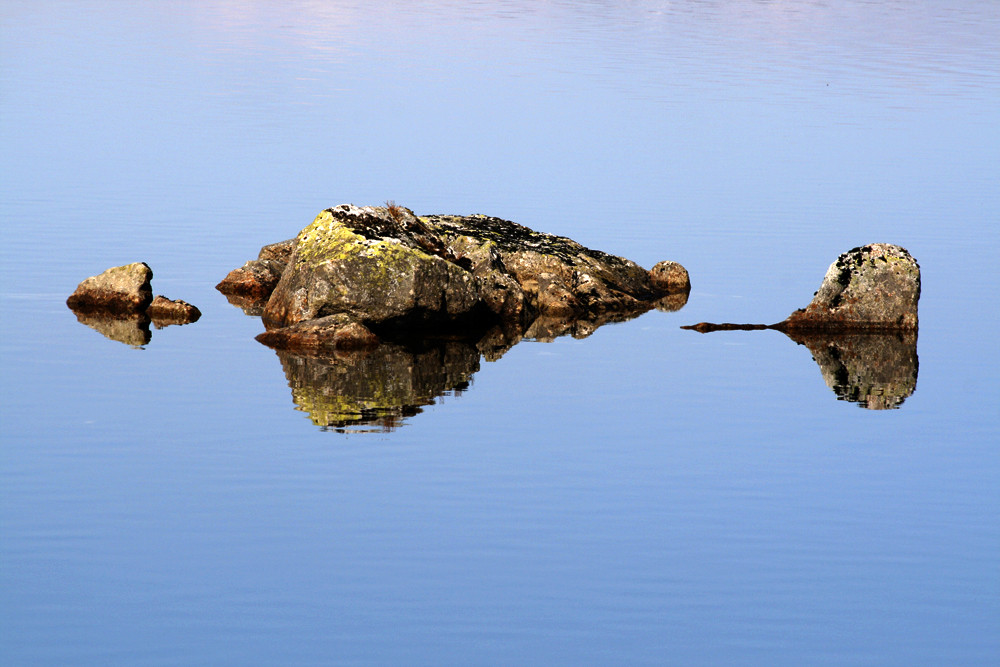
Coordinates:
<point>393,273</point>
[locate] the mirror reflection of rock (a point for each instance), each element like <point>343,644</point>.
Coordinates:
<point>377,387</point>
<point>875,370</point>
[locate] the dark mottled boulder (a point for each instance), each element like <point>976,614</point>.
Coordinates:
<point>120,289</point>
<point>871,288</point>
<point>556,275</point>
<point>164,312</point>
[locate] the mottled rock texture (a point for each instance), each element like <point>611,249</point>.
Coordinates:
<point>120,289</point>
<point>395,273</point>
<point>871,288</point>
<point>670,277</point>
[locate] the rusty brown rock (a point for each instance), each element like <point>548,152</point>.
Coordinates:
<point>120,289</point>
<point>164,312</point>
<point>670,277</point>
<point>255,279</point>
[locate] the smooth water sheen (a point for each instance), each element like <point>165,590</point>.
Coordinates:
<point>643,495</point>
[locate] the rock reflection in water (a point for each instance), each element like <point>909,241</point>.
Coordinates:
<point>876,371</point>
<point>131,329</point>
<point>377,387</point>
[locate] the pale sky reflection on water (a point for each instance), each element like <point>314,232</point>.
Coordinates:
<point>644,495</point>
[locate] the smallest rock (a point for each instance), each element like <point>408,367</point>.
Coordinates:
<point>164,312</point>
<point>668,277</point>
<point>120,289</point>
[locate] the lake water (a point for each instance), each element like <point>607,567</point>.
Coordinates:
<point>641,495</point>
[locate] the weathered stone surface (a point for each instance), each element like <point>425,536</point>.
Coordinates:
<point>376,388</point>
<point>164,312</point>
<point>878,371</point>
<point>339,331</point>
<point>556,275</point>
<point>256,279</point>
<point>280,252</point>
<point>374,267</point>
<point>670,277</point>
<point>871,288</point>
<point>120,289</point>
<point>391,270</point>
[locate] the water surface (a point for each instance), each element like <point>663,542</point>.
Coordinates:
<point>642,495</point>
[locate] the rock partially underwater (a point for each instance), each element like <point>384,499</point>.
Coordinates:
<point>118,290</point>
<point>871,288</point>
<point>861,326</point>
<point>119,304</point>
<point>386,272</point>
<point>375,312</point>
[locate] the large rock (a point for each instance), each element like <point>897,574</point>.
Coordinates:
<point>120,289</point>
<point>379,269</point>
<point>393,272</point>
<point>872,288</point>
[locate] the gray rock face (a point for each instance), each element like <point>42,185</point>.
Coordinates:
<point>120,289</point>
<point>391,271</point>
<point>872,288</point>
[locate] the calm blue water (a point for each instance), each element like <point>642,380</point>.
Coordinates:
<point>645,495</point>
